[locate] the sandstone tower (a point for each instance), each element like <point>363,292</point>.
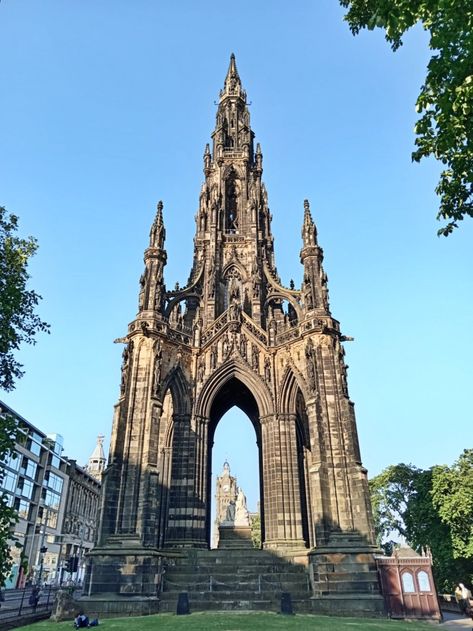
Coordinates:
<point>233,335</point>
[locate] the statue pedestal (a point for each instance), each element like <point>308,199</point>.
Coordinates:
<point>234,537</point>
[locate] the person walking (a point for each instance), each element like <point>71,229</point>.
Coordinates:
<point>34,597</point>
<point>463,596</point>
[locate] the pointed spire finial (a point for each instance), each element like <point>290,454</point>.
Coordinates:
<point>307,214</point>
<point>232,85</point>
<point>157,233</point>
<point>309,231</point>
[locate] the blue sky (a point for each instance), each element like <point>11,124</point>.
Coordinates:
<point>106,109</point>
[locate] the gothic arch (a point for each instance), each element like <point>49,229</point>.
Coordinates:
<point>241,372</point>
<point>184,296</point>
<point>238,266</point>
<point>291,383</point>
<point>294,392</point>
<point>177,383</point>
<point>279,295</point>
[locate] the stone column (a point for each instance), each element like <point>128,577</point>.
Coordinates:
<point>282,503</point>
<point>186,518</point>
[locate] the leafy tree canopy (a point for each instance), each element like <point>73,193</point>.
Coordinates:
<point>445,127</point>
<point>431,509</point>
<point>18,320</point>
<point>8,516</point>
<point>452,496</point>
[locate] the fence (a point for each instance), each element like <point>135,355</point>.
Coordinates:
<point>16,608</point>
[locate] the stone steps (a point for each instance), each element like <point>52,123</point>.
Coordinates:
<point>244,580</point>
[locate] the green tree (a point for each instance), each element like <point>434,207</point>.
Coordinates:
<point>8,516</point>
<point>452,496</point>
<point>431,509</point>
<point>445,127</point>
<point>18,323</point>
<point>391,492</point>
<point>18,320</point>
<point>255,524</point>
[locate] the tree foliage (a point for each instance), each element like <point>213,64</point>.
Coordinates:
<point>8,516</point>
<point>445,127</point>
<point>452,496</point>
<point>255,523</point>
<point>431,509</point>
<point>18,320</point>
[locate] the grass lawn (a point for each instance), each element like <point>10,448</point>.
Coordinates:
<point>240,622</point>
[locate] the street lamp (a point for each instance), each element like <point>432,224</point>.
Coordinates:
<point>42,547</point>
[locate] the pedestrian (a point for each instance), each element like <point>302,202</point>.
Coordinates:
<point>34,597</point>
<point>463,596</point>
<point>81,621</point>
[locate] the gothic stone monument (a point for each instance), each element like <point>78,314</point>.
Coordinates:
<point>234,335</point>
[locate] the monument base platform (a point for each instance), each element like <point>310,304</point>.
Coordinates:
<point>235,537</point>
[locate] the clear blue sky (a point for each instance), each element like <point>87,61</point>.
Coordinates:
<point>106,108</point>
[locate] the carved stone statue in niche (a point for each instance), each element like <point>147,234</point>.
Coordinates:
<point>201,370</point>
<point>141,298</point>
<point>126,356</point>
<point>159,296</point>
<point>255,357</point>
<point>157,368</point>
<point>323,283</point>
<point>308,299</point>
<point>234,311</point>
<point>225,346</point>
<point>310,365</point>
<point>203,220</point>
<point>267,369</point>
<point>243,346</point>
<point>211,281</point>
<point>213,358</point>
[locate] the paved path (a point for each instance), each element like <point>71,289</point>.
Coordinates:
<point>454,622</point>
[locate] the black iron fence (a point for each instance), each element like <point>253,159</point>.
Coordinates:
<point>18,604</point>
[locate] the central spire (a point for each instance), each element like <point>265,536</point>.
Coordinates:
<point>232,85</point>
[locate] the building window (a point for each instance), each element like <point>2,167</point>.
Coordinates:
<point>423,580</point>
<point>9,481</point>
<point>11,462</point>
<point>25,488</point>
<point>51,499</point>
<point>34,443</point>
<point>22,507</point>
<point>55,482</point>
<point>28,468</point>
<point>407,583</point>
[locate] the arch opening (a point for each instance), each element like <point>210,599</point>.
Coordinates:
<point>232,439</point>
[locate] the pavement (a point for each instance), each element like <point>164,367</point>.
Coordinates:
<point>455,622</point>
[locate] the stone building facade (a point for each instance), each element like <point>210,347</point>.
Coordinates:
<point>79,529</point>
<point>233,335</point>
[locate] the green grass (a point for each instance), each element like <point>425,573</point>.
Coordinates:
<point>240,622</point>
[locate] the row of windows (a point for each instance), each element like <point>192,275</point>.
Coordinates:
<point>53,481</point>
<point>408,586</point>
<point>51,499</point>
